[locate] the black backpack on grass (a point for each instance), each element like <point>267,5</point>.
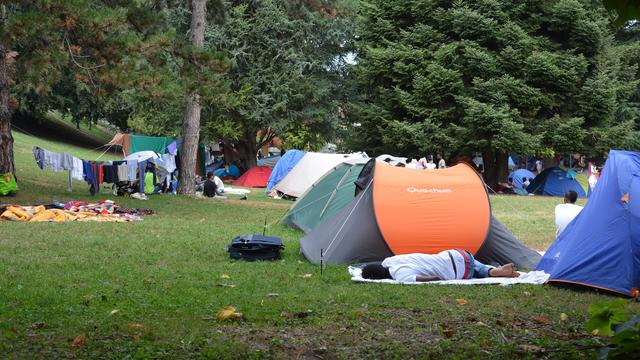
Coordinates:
<point>252,247</point>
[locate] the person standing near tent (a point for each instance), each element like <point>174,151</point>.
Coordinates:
<point>567,211</point>
<point>210,189</point>
<point>446,265</point>
<point>441,163</point>
<point>539,166</point>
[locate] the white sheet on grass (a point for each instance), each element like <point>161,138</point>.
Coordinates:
<point>235,191</point>
<point>532,277</point>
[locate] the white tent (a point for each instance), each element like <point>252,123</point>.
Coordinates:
<point>308,170</point>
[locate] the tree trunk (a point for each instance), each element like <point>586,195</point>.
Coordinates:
<point>6,138</point>
<point>191,126</point>
<point>496,167</point>
<point>248,150</point>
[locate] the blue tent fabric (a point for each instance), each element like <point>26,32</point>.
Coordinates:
<point>517,176</point>
<point>230,170</point>
<point>555,182</point>
<point>284,165</point>
<point>601,246</point>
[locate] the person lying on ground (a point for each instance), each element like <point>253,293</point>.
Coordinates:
<point>210,187</point>
<point>567,211</point>
<point>446,265</point>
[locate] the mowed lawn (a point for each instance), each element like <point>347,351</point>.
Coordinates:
<point>152,289</point>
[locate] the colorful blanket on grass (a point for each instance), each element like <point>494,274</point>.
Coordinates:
<point>104,211</point>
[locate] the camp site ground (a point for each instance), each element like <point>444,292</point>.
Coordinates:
<point>152,289</point>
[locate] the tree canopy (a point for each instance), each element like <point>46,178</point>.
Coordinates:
<point>532,77</point>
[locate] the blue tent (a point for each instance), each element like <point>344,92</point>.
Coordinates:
<point>284,165</point>
<point>601,246</point>
<point>516,176</point>
<point>555,182</point>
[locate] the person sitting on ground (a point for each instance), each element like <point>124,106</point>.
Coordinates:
<point>446,265</point>
<point>219,184</point>
<point>429,165</point>
<point>199,183</point>
<point>567,211</point>
<point>441,163</point>
<point>210,188</point>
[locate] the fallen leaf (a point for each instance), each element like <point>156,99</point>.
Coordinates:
<point>500,322</point>
<point>449,331</point>
<point>87,299</point>
<point>306,276</point>
<point>114,311</point>
<point>134,337</point>
<point>202,221</point>
<point>595,332</point>
<point>228,312</point>
<point>167,286</point>
<point>78,341</point>
<point>225,276</point>
<point>564,317</point>
<point>134,325</point>
<point>531,348</point>
<point>526,293</point>
<point>461,301</point>
<point>485,345</point>
<point>541,320</point>
<point>38,325</point>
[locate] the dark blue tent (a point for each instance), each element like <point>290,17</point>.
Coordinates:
<point>601,246</point>
<point>555,182</point>
<point>283,166</point>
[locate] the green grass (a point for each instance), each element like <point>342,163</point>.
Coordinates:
<point>164,278</point>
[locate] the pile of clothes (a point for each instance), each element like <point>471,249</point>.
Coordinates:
<point>104,211</point>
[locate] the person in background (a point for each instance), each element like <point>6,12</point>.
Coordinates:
<point>210,188</point>
<point>539,166</point>
<point>453,264</point>
<point>219,184</point>
<point>199,183</point>
<point>430,164</point>
<point>411,163</point>
<point>567,211</point>
<point>441,163</point>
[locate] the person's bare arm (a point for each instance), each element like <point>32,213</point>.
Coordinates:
<point>421,278</point>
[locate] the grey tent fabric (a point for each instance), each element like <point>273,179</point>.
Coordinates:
<point>502,247</point>
<point>352,235</point>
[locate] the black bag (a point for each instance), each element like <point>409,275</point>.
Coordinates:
<point>252,247</point>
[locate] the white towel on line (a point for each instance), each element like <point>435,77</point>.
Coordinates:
<point>532,277</point>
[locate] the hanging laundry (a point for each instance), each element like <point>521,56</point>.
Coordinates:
<point>132,170</point>
<point>77,172</point>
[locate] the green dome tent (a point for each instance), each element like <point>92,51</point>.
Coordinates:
<point>326,197</point>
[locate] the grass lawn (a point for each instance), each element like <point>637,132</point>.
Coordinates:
<point>152,289</point>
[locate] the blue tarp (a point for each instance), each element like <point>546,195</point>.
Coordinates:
<point>230,170</point>
<point>555,182</point>
<point>517,176</point>
<point>601,246</point>
<point>284,165</point>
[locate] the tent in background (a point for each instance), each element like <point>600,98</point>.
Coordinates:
<point>554,182</point>
<point>326,197</point>
<point>517,176</point>
<point>404,210</point>
<point>270,161</point>
<point>308,170</point>
<point>284,165</point>
<point>601,246</point>
<point>257,176</point>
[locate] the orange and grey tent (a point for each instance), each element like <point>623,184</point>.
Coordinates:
<point>402,211</point>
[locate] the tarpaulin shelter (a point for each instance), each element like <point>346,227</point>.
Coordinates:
<point>136,143</point>
<point>600,248</point>
<point>402,210</point>
<point>287,162</point>
<point>555,182</point>
<point>326,197</point>
<point>257,176</point>
<point>518,175</point>
<point>308,170</point>
<point>270,161</point>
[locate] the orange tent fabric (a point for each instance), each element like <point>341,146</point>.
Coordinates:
<point>449,208</point>
<point>123,140</point>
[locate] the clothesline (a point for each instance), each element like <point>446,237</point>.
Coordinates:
<point>95,172</point>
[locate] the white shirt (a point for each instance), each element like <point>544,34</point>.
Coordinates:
<point>441,164</point>
<point>429,166</point>
<point>405,268</point>
<point>219,184</point>
<point>565,213</point>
